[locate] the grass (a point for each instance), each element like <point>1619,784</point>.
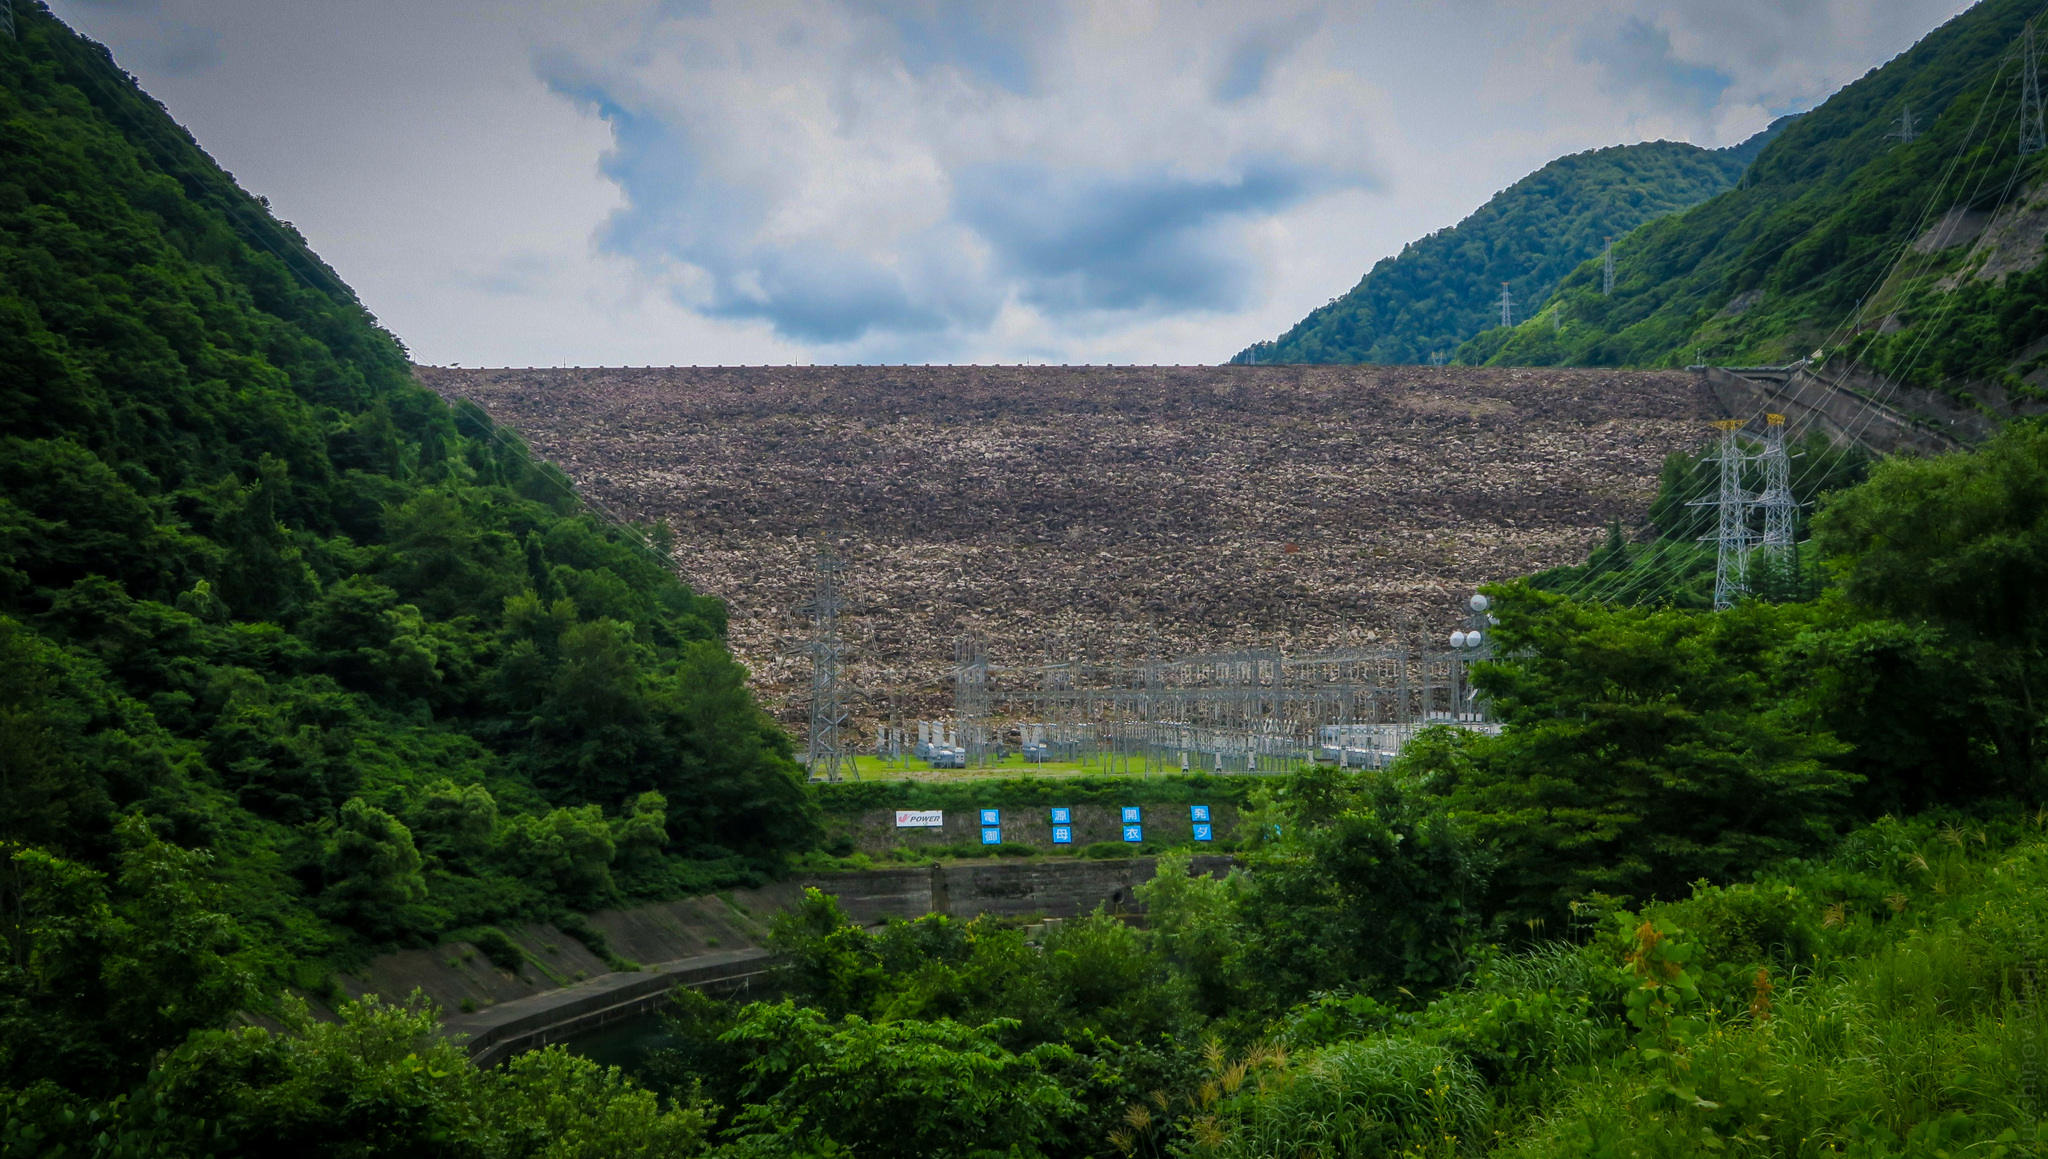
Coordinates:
<point>1883,1002</point>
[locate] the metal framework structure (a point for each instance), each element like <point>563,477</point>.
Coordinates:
<point>1780,508</point>
<point>1607,270</point>
<point>1507,306</point>
<point>1731,532</point>
<point>2033,135</point>
<point>7,18</point>
<point>827,756</point>
<point>1246,710</point>
<point>970,700</point>
<point>1906,132</point>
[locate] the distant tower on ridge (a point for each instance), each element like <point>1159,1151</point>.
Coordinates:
<point>1906,132</point>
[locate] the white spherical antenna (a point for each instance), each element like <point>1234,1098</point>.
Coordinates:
<point>1473,639</point>
<point>1480,603</point>
<point>1458,639</point>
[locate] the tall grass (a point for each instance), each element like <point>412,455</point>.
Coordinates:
<point>1884,1003</point>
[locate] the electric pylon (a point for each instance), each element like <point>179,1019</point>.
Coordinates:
<point>1507,306</point>
<point>1781,508</point>
<point>827,754</point>
<point>1906,132</point>
<point>2033,136</point>
<point>1731,533</point>
<point>1607,270</point>
<point>7,18</point>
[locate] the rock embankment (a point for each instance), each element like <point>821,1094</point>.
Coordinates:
<point>1098,511</point>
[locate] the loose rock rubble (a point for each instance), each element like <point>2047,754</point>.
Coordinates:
<point>1097,511</point>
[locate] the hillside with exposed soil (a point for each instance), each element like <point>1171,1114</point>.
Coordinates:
<point>1098,510</point>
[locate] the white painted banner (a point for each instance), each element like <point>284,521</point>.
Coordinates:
<point>920,819</point>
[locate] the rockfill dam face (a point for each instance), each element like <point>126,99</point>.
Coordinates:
<point>1097,513</point>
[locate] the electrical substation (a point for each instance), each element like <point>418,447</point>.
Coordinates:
<point>1239,711</point>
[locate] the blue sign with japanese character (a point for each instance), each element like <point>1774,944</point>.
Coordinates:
<point>1205,833</point>
<point>1062,815</point>
<point>1062,835</point>
<point>1134,832</point>
<point>991,836</point>
<point>991,816</point>
<point>1131,816</point>
<point>1199,814</point>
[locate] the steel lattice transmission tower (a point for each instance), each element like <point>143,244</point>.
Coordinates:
<point>1731,532</point>
<point>7,18</point>
<point>828,756</point>
<point>1781,510</point>
<point>1507,306</point>
<point>1906,131</point>
<point>1607,270</point>
<point>2033,136</point>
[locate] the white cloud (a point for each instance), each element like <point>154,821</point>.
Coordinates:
<point>904,180</point>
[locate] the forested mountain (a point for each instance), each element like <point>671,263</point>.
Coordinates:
<point>1919,257</point>
<point>264,596</point>
<point>1445,288</point>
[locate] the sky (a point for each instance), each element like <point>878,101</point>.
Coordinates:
<point>720,182</point>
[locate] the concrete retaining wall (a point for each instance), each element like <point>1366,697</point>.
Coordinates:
<point>1883,418</point>
<point>497,1034</point>
<point>875,831</point>
<point>715,943</point>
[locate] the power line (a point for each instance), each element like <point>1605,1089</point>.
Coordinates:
<point>1661,568</point>
<point>2033,137</point>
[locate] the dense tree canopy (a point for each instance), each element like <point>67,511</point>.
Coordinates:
<point>261,589</point>
<point>1445,288</point>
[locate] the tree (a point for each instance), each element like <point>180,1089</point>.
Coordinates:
<point>1354,880</point>
<point>372,872</point>
<point>1644,749</point>
<point>1959,543</point>
<point>910,1089</point>
<point>100,974</point>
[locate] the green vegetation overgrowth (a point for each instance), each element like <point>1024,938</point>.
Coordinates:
<point>1443,289</point>
<point>1816,250</point>
<point>296,661</point>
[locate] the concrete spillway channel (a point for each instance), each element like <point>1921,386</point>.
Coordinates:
<point>500,1032</point>
<point>565,991</point>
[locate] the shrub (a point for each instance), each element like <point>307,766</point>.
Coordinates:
<point>1746,925</point>
<point>1377,1096</point>
<point>500,950</point>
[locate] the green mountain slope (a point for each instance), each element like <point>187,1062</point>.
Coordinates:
<point>264,592</point>
<point>1830,241</point>
<point>1445,288</point>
